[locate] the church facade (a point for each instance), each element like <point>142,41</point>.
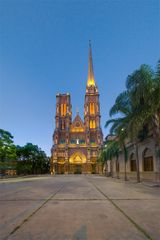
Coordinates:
<point>77,142</point>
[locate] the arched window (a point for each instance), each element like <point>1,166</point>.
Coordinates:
<point>133,166</point>
<point>91,124</point>
<point>94,124</point>
<point>147,160</point>
<point>92,108</point>
<point>63,109</point>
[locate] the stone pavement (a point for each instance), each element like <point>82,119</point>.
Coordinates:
<point>78,207</point>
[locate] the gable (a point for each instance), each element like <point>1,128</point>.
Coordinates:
<point>77,125</point>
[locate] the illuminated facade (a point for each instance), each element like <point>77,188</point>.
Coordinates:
<point>77,143</point>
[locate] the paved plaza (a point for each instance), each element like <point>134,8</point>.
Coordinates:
<point>82,207</point>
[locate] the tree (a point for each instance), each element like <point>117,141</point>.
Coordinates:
<point>102,158</point>
<point>32,160</point>
<point>7,151</point>
<point>129,105</point>
<point>123,126</point>
<point>118,128</point>
<point>112,150</point>
<point>144,90</point>
<point>154,113</point>
<point>139,109</point>
<point>27,159</point>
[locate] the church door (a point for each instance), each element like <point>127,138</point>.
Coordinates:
<point>78,169</point>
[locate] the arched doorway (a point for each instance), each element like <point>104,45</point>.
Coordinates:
<point>77,159</point>
<point>148,160</point>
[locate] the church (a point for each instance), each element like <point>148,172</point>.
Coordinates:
<point>77,142</point>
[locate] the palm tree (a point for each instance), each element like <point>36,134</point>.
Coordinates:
<point>154,114</point>
<point>130,105</point>
<point>118,128</point>
<point>124,126</point>
<point>102,158</point>
<point>112,150</point>
<point>144,90</point>
<point>138,105</point>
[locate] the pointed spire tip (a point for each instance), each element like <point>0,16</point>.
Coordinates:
<point>90,81</point>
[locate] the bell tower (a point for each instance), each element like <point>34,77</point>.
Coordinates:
<point>63,118</point>
<point>92,105</point>
<point>63,112</point>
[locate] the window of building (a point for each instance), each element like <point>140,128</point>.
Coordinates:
<point>63,109</point>
<point>92,108</point>
<point>148,160</point>
<point>133,166</point>
<point>92,124</point>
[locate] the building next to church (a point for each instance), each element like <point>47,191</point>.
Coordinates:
<point>77,142</point>
<point>149,166</point>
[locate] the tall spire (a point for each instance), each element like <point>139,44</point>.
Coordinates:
<point>90,81</point>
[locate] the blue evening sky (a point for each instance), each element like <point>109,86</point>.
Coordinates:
<point>44,51</point>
